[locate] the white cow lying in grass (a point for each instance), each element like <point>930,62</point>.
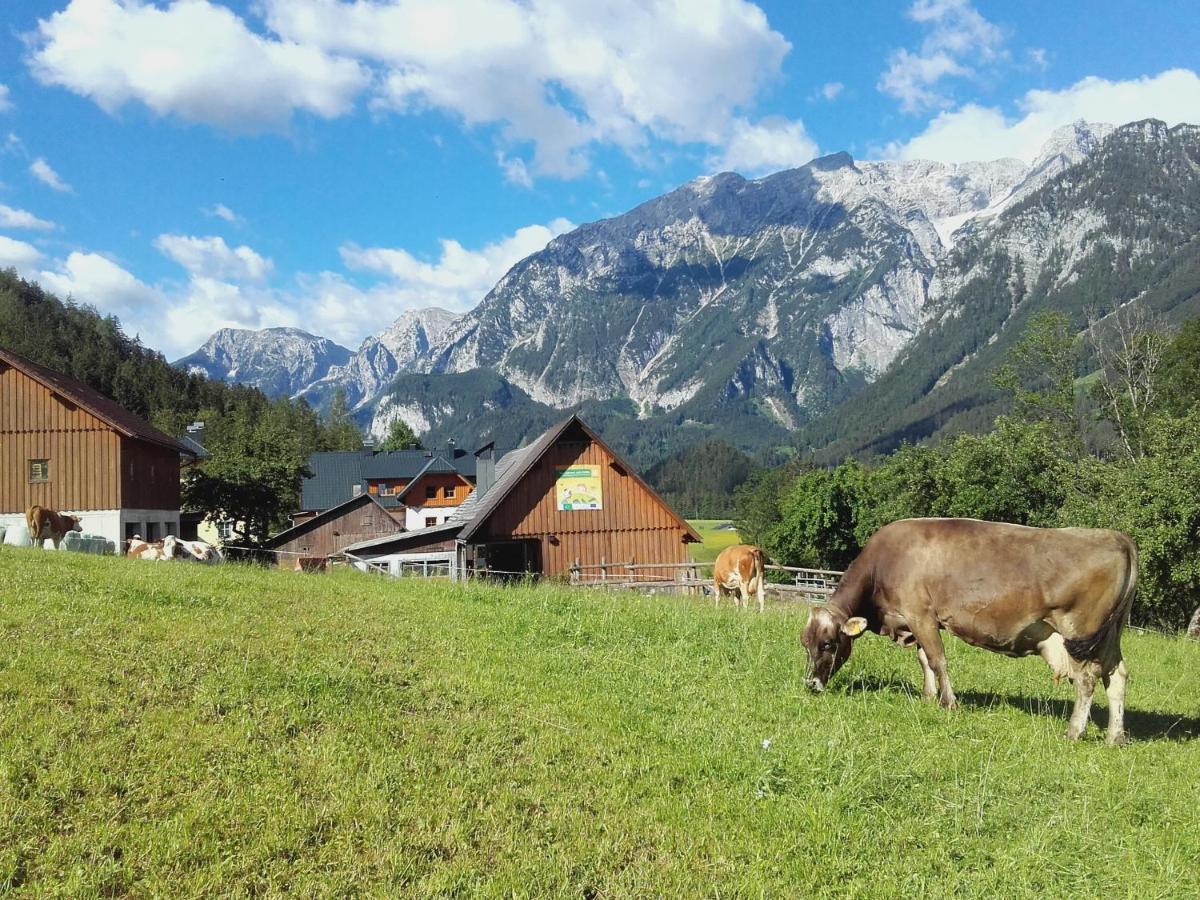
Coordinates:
<point>171,547</point>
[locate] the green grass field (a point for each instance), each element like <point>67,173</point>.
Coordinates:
<point>183,731</point>
<point>715,538</point>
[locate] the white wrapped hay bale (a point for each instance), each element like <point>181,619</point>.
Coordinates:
<point>17,536</point>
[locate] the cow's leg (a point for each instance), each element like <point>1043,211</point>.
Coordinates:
<point>929,690</point>
<point>1084,676</point>
<point>743,595</point>
<point>1114,686</point>
<point>929,639</point>
<point>717,595</point>
<point>759,591</point>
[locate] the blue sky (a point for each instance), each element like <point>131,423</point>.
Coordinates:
<point>327,164</point>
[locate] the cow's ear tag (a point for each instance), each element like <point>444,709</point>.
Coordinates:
<point>854,627</point>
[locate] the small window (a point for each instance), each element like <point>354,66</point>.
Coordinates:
<point>430,521</point>
<point>449,491</point>
<point>39,470</point>
<point>385,489</point>
<point>431,492</point>
<point>225,531</point>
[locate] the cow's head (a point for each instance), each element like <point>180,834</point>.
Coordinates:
<point>828,638</point>
<point>73,523</point>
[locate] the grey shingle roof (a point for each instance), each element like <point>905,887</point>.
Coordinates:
<point>335,473</point>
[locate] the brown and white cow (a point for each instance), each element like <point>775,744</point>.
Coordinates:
<point>739,572</point>
<point>199,551</point>
<point>158,551</point>
<point>1062,593</point>
<point>46,523</point>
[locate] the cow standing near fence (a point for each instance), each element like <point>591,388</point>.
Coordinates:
<point>739,572</point>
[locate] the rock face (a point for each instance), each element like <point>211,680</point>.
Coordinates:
<point>382,357</point>
<point>278,361</point>
<point>794,290</point>
<point>751,309</point>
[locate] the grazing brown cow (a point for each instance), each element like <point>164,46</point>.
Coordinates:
<point>46,523</point>
<point>739,571</point>
<point>1063,593</point>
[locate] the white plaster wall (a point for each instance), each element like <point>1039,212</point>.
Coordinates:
<point>104,522</point>
<point>414,516</point>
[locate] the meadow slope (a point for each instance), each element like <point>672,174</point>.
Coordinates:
<point>172,729</point>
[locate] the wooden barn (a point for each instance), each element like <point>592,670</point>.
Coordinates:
<point>565,498</point>
<point>357,519</point>
<point>68,447</point>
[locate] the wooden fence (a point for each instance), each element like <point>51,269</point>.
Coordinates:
<point>808,585</point>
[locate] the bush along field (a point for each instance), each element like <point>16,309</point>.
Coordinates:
<point>187,731</point>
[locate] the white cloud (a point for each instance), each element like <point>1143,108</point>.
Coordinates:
<point>5,98</point>
<point>194,59</point>
<point>97,280</point>
<point>958,40</point>
<point>221,211</point>
<point>18,255</point>
<point>212,257</point>
<point>226,287</point>
<point>976,132</point>
<point>831,90</point>
<point>558,76</point>
<point>19,218</point>
<point>756,148</point>
<point>460,277</point>
<point>42,171</point>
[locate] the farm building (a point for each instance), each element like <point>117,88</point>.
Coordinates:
<point>66,446</point>
<point>565,498</point>
<point>357,519</point>
<point>420,487</point>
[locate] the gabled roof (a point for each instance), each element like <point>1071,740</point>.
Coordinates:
<point>516,465</point>
<point>436,466</point>
<point>106,410</point>
<point>401,537</point>
<point>335,473</point>
<point>341,509</point>
<point>469,517</point>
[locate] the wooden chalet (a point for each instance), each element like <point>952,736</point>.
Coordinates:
<point>324,534</point>
<point>66,446</point>
<point>565,498</point>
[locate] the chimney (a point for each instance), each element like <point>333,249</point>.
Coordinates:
<point>485,468</point>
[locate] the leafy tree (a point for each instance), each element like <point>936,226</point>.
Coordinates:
<point>819,518</point>
<point>1155,500</point>
<point>400,437</point>
<point>1040,374</point>
<point>1179,376</point>
<point>1128,344</point>
<point>341,432</point>
<point>253,477</point>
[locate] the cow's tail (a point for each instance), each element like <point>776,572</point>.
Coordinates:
<point>1089,648</point>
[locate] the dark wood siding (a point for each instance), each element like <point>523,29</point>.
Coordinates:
<point>84,453</point>
<point>149,476</point>
<point>633,523</point>
<point>327,536</point>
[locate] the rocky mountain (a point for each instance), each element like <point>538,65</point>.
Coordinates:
<point>382,357</point>
<point>278,361</point>
<point>753,310</point>
<point>790,292</point>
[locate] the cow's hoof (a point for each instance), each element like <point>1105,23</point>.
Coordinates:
<point>1117,740</point>
<point>949,704</point>
<point>1074,734</point>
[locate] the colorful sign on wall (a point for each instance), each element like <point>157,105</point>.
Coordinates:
<point>578,487</point>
